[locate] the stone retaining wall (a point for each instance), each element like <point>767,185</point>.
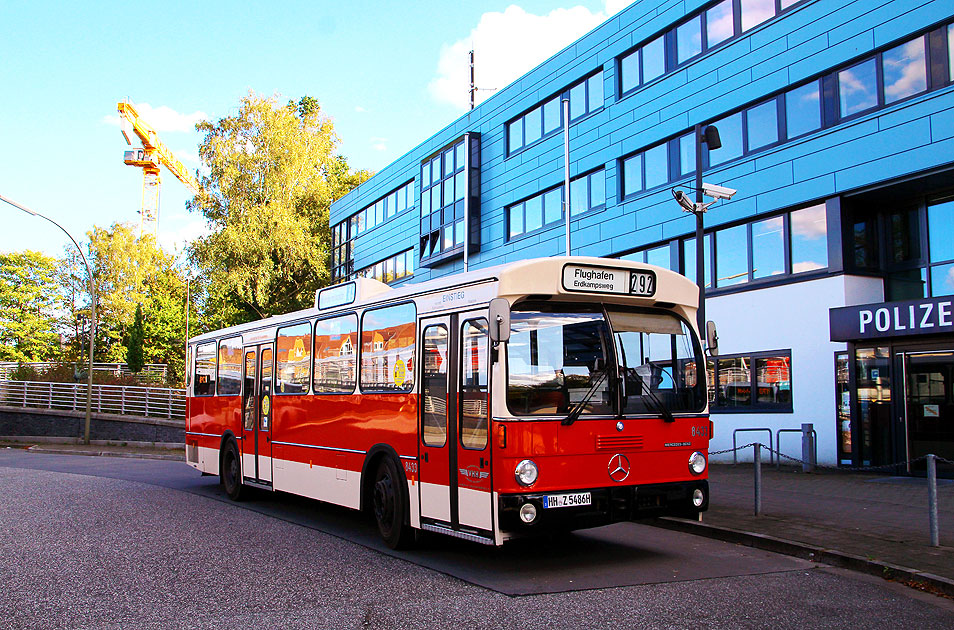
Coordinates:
<point>19,422</point>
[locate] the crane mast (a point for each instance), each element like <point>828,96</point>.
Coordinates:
<point>150,157</point>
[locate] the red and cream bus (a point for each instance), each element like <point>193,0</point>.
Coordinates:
<point>539,395</point>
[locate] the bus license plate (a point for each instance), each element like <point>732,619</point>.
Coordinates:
<point>567,500</point>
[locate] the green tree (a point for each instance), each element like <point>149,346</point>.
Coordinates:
<point>134,355</point>
<point>133,272</point>
<point>273,172</point>
<point>30,302</point>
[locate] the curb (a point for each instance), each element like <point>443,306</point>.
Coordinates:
<point>64,451</point>
<point>912,577</point>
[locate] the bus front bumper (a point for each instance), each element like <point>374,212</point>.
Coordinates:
<point>608,505</point>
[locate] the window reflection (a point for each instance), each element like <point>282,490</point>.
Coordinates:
<point>719,23</point>
<point>689,39</point>
<point>905,71</point>
<point>654,59</point>
<point>803,110</point>
<point>657,166</point>
<point>629,71</point>
<point>762,125</point>
<point>857,88</point>
<point>633,174</point>
<point>732,265</point>
<point>754,12</point>
<point>768,248</point>
<point>730,131</point>
<point>809,239</point>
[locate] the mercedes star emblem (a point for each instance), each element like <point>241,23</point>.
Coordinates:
<point>618,468</point>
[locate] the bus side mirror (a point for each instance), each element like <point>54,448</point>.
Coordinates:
<point>499,320</point>
<point>712,339</point>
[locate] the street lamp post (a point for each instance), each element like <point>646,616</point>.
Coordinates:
<point>709,136</point>
<point>92,325</point>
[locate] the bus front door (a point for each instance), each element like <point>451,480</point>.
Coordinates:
<point>455,484</point>
<point>257,414</point>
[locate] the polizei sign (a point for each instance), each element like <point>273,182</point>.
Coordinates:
<point>927,316</point>
<point>607,280</point>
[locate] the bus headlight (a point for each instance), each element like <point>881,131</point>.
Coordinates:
<point>526,472</point>
<point>697,463</point>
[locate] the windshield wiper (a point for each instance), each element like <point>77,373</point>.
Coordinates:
<point>660,406</point>
<point>577,409</point>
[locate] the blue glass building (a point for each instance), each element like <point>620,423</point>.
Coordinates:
<point>837,126</point>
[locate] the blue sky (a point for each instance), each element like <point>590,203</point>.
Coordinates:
<point>390,74</point>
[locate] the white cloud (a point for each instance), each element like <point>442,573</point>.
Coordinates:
<point>810,223</point>
<point>379,144</point>
<point>506,46</point>
<point>162,118</point>
<point>359,109</point>
<point>810,265</point>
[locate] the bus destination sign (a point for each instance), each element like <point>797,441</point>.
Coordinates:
<point>606,280</point>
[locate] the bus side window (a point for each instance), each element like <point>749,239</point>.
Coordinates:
<point>387,348</point>
<point>473,384</point>
<point>293,350</point>
<point>205,359</point>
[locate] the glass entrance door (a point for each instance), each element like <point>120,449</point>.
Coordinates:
<point>873,411</point>
<point>929,406</point>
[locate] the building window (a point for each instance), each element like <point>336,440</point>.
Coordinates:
<point>754,12</point>
<point>444,198</point>
<point>757,382</point>
<point>586,96</point>
<point>391,269</point>
<point>858,88</point>
<point>689,39</point>
<point>785,245</point>
<point>344,233</point>
<point>720,24</point>
<point>802,110</point>
<point>660,256</point>
<point>940,217</point>
<point>588,192</point>
<point>884,79</point>
<point>809,228</point>
<point>294,358</point>
<point>696,35</point>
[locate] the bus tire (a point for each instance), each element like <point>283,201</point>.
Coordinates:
<point>231,473</point>
<point>389,505</point>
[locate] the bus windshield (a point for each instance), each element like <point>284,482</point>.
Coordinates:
<point>638,362</point>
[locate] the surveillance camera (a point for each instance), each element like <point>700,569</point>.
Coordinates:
<point>683,200</point>
<point>718,192</point>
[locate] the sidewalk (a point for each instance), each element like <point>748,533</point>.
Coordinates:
<point>102,449</point>
<point>873,523</point>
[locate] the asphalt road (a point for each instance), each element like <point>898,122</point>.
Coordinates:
<point>99,543</point>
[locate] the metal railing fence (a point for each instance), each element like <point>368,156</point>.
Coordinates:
<point>147,402</point>
<point>152,372</point>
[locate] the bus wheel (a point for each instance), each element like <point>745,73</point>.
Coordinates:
<point>232,472</point>
<point>389,506</point>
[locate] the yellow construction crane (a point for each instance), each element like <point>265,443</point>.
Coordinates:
<point>149,158</point>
